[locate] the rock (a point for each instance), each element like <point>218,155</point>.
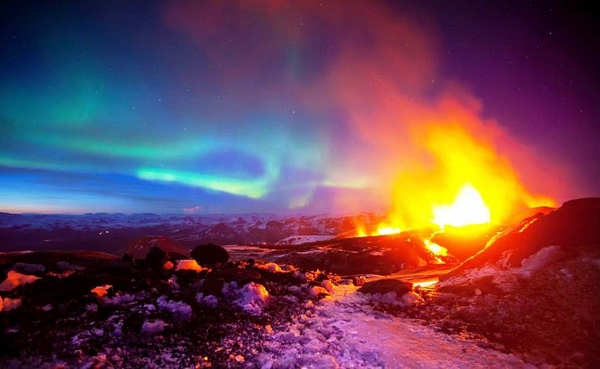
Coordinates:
<point>157,257</point>
<point>213,286</point>
<point>240,276</point>
<point>210,254</point>
<point>65,265</point>
<point>176,256</point>
<point>359,280</point>
<point>28,268</point>
<point>384,286</point>
<point>94,260</point>
<point>363,255</point>
<point>465,289</point>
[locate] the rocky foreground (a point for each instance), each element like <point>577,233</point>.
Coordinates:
<point>530,298</point>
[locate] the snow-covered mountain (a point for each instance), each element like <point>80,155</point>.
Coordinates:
<point>113,232</point>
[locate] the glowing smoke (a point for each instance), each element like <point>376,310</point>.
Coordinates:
<point>367,79</point>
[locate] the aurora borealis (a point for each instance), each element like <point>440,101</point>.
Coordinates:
<point>275,106</point>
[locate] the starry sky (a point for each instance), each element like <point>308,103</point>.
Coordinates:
<point>286,106</point>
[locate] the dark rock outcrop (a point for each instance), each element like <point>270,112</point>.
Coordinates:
<point>384,286</point>
<point>362,255</point>
<point>210,254</point>
<point>157,257</point>
<point>89,260</point>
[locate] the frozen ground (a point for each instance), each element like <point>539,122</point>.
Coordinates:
<point>342,330</point>
<point>283,318</point>
<point>529,299</point>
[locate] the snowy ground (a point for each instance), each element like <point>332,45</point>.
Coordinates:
<point>344,331</point>
<point>94,310</point>
<point>293,318</point>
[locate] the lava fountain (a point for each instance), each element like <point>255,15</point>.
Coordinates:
<point>468,208</point>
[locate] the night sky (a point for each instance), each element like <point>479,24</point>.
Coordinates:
<point>287,106</point>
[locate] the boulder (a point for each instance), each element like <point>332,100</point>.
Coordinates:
<point>28,268</point>
<point>384,286</point>
<point>210,254</point>
<point>157,257</point>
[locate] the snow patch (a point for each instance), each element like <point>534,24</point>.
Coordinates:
<point>210,301</point>
<point>153,327</point>
<point>8,304</point>
<point>270,267</point>
<point>539,260</point>
<point>344,332</point>
<point>190,264</point>
<point>16,279</point>
<point>102,291</point>
<point>118,299</point>
<point>28,268</point>
<point>302,239</point>
<point>502,275</point>
<point>69,266</point>
<point>252,298</point>
<point>180,310</point>
<point>168,266</point>
<point>315,291</point>
<point>328,285</point>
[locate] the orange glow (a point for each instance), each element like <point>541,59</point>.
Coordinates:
<point>425,283</point>
<point>460,178</point>
<point>468,208</point>
<point>435,248</point>
<point>387,230</point>
<point>360,232</point>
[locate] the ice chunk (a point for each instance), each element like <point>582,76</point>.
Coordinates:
<point>317,290</point>
<point>118,299</point>
<point>540,259</point>
<point>328,285</point>
<point>16,279</point>
<point>168,265</point>
<point>190,264</point>
<point>152,327</point>
<point>271,267</point>
<point>208,301</point>
<point>102,291</point>
<point>253,298</point>
<point>28,268</point>
<point>180,310</point>
<point>9,304</point>
<point>67,265</point>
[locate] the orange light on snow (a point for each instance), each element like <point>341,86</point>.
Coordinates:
<point>468,208</point>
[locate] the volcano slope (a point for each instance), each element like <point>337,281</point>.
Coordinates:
<point>533,290</point>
